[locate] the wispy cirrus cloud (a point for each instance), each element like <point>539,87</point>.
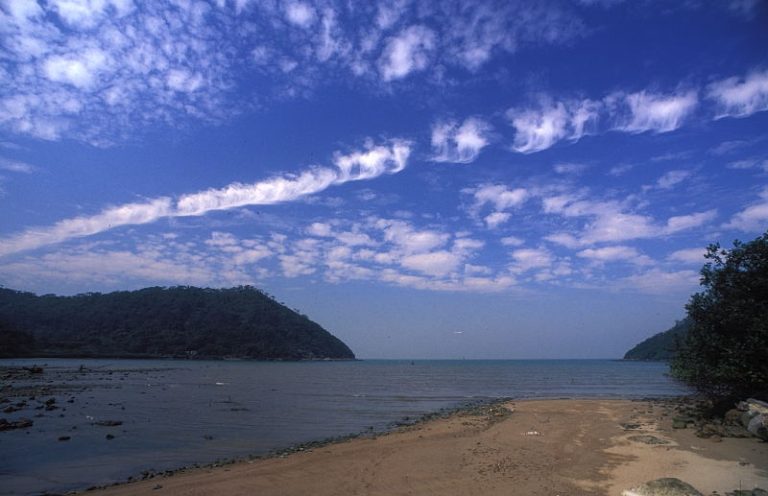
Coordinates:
<point>372,162</point>
<point>740,96</point>
<point>550,121</point>
<point>459,144</point>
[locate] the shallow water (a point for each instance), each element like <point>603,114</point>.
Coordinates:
<point>177,413</point>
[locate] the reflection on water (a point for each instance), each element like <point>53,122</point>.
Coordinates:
<point>177,413</point>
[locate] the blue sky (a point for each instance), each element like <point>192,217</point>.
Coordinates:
<point>425,179</point>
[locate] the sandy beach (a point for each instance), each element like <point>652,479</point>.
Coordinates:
<point>550,447</point>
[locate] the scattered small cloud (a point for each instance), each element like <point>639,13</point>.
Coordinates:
<point>459,143</point>
<point>740,97</point>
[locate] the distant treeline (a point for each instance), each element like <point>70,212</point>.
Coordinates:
<point>661,346</point>
<point>192,322</point>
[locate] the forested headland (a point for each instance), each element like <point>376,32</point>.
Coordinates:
<point>189,322</point>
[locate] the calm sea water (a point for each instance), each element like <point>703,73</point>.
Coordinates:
<point>177,413</point>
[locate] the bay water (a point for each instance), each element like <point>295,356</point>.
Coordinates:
<point>173,414</point>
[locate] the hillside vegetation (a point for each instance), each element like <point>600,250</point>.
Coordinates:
<point>661,346</point>
<point>190,322</point>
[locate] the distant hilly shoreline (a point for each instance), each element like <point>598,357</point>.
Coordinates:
<point>177,322</point>
<point>661,346</point>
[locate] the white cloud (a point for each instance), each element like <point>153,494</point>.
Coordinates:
<point>656,113</point>
<point>740,97</point>
<point>80,71</point>
<point>438,263</point>
<point>512,241</point>
<point>300,13</point>
<point>656,281</point>
<point>459,144</point>
<point>408,239</point>
<point>407,52</point>
<point>610,222</point>
<point>749,164</point>
<point>615,254</point>
<point>688,256</point>
<point>526,259</point>
<point>499,196</point>
<point>683,222</point>
<point>753,218</point>
<point>16,166</point>
<point>495,219</point>
<point>671,178</point>
<point>321,229</point>
<point>367,164</point>
<point>539,128</point>
<point>570,168</point>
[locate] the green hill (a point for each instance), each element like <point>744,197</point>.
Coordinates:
<point>661,346</point>
<point>158,322</point>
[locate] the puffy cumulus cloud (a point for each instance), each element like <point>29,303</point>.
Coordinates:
<point>152,260</point>
<point>625,254</point>
<point>740,96</point>
<point>100,71</point>
<point>407,52</point>
<point>104,71</point>
<point>498,196</point>
<point>359,165</point>
<point>683,222</point>
<point>612,221</point>
<point>300,14</point>
<point>540,127</point>
<point>496,219</point>
<point>525,259</point>
<point>694,256</point>
<point>652,112</point>
<point>657,281</point>
<point>438,263</point>
<point>753,218</point>
<point>456,143</point>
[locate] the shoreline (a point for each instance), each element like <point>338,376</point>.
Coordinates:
<point>572,446</point>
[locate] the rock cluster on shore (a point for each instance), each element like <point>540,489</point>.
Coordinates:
<point>675,487</point>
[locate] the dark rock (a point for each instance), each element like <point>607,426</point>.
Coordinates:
<point>64,438</point>
<point>23,423</point>
<point>663,487</point>
<point>108,423</point>
<point>647,440</point>
<point>110,437</point>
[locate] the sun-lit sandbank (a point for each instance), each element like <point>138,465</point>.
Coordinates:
<point>547,447</point>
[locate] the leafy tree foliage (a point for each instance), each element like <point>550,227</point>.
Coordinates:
<point>179,321</point>
<point>725,353</point>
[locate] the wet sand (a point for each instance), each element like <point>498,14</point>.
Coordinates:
<point>550,447</point>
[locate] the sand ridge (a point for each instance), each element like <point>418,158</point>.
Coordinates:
<point>548,447</point>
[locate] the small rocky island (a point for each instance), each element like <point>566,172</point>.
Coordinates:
<point>180,322</point>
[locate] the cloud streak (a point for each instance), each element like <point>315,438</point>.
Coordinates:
<point>372,162</point>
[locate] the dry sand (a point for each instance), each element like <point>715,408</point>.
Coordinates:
<point>552,447</point>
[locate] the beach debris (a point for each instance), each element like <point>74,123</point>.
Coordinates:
<point>631,426</point>
<point>647,439</point>
<point>663,487</point>
<point>23,423</point>
<point>682,422</point>
<point>532,433</point>
<point>746,492</point>
<point>108,423</point>
<point>64,438</point>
